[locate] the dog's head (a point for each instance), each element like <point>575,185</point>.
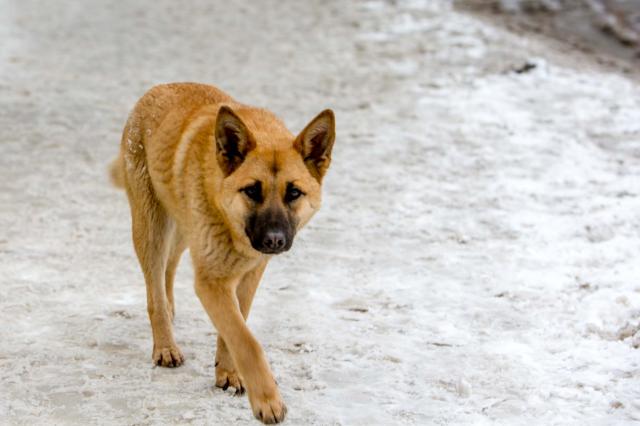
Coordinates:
<point>271,183</point>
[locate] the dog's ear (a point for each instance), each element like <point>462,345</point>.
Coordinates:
<point>233,140</point>
<point>315,143</point>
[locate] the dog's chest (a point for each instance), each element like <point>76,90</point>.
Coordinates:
<point>217,253</point>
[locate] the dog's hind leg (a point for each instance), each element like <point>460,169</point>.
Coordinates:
<point>175,252</point>
<point>153,231</point>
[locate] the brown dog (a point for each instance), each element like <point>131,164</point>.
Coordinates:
<point>232,184</point>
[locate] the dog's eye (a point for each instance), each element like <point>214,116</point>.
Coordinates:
<point>292,194</point>
<point>253,191</point>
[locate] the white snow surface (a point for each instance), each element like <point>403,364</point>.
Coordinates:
<point>475,260</point>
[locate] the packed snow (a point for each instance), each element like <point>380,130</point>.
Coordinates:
<point>475,260</point>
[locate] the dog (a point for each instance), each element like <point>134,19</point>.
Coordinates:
<point>229,182</point>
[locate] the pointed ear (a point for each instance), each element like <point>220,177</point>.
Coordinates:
<point>233,140</point>
<point>315,143</point>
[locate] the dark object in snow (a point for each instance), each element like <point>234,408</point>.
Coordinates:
<point>526,67</point>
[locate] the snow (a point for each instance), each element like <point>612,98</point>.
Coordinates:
<point>475,260</point>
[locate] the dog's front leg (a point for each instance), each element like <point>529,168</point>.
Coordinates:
<point>221,303</point>
<point>226,372</point>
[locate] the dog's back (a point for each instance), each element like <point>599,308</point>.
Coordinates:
<point>177,99</point>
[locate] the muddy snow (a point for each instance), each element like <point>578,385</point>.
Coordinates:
<point>475,260</point>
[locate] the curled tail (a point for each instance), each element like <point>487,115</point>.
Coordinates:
<point>116,172</point>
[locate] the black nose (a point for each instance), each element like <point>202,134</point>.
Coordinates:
<point>274,241</point>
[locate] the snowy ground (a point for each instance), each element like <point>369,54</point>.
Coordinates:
<point>476,259</point>
<point>609,27</point>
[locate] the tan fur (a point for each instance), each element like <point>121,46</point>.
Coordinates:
<point>116,172</point>
<point>181,197</point>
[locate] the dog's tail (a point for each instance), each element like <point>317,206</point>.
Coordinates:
<point>116,171</point>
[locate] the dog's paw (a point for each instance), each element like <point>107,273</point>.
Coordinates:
<point>268,410</point>
<point>168,356</point>
<point>226,378</point>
